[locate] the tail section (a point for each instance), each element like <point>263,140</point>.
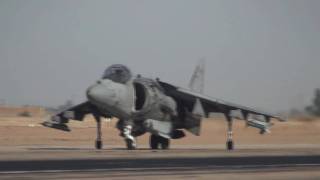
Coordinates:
<point>197,80</point>
<point>193,119</point>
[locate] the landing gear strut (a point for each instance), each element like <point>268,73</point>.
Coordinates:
<point>230,144</point>
<point>155,141</point>
<point>130,140</point>
<point>98,143</point>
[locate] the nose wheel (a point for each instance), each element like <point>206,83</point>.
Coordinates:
<point>157,142</point>
<point>131,145</point>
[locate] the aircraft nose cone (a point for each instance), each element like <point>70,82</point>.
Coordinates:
<point>102,95</point>
<point>91,94</point>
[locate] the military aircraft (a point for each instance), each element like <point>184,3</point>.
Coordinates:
<point>162,109</point>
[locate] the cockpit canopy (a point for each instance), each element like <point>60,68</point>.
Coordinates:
<point>117,73</point>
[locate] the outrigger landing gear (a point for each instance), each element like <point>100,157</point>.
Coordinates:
<point>155,141</point>
<point>98,143</point>
<point>230,144</point>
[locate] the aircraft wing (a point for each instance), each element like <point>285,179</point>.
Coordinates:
<point>78,112</point>
<point>188,99</point>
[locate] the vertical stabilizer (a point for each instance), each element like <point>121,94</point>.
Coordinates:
<point>197,79</point>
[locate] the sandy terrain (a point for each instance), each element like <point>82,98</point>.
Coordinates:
<point>22,138</point>
<point>23,131</point>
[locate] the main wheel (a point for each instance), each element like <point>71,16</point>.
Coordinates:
<point>164,143</point>
<point>230,145</point>
<point>98,144</point>
<point>154,141</point>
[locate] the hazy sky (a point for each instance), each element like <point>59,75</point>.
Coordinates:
<point>262,54</point>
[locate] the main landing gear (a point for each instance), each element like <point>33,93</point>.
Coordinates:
<point>156,141</point>
<point>230,144</point>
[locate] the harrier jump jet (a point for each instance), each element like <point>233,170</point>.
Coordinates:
<point>143,105</point>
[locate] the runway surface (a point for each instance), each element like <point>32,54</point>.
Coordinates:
<point>161,163</point>
<point>76,163</point>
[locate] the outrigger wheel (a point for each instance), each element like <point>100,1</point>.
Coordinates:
<point>98,144</point>
<point>230,145</point>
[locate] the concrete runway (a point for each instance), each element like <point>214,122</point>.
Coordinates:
<point>75,163</point>
<point>152,164</point>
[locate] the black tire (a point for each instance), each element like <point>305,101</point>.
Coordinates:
<point>130,145</point>
<point>164,143</point>
<point>98,144</point>
<point>230,145</point>
<point>154,141</point>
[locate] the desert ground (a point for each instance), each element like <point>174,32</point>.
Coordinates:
<point>27,131</point>
<point>24,139</point>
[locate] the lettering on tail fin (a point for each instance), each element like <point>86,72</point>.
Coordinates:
<point>197,80</point>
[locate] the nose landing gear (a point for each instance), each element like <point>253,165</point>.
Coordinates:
<point>129,139</point>
<point>131,145</point>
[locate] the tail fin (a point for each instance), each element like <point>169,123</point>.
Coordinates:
<point>197,79</point>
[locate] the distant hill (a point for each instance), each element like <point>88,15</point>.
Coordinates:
<point>12,111</point>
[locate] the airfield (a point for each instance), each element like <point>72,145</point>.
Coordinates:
<point>30,151</point>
